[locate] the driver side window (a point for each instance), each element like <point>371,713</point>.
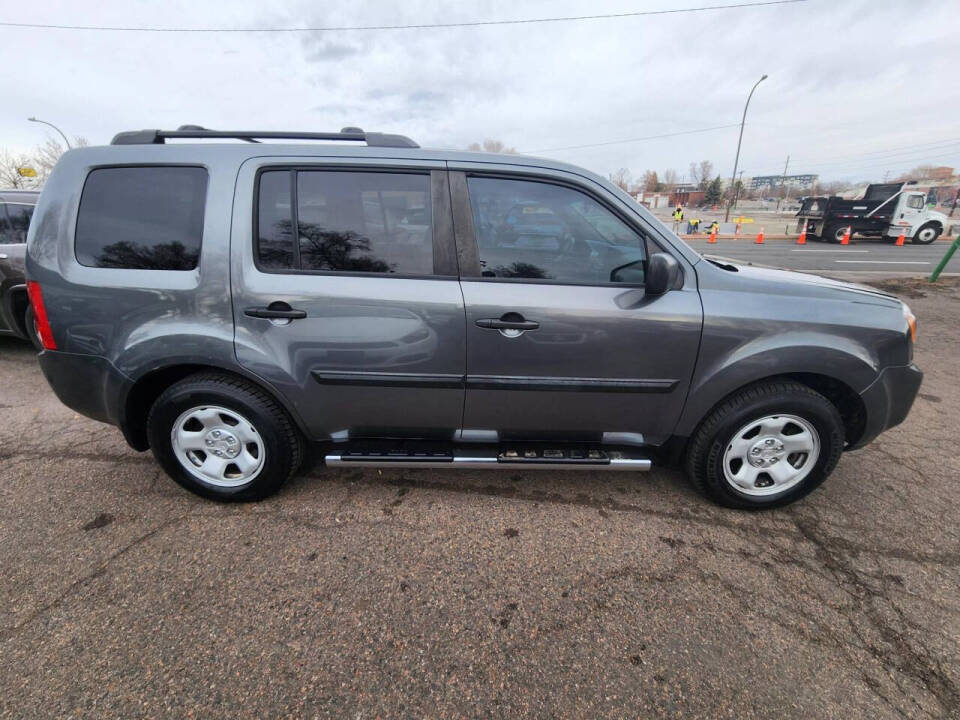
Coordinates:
<point>541,231</point>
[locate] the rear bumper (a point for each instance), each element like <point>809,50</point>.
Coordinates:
<point>888,400</point>
<point>87,384</point>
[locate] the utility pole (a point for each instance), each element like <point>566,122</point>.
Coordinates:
<point>736,161</point>
<point>783,182</point>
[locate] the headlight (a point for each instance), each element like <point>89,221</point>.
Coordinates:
<point>911,322</point>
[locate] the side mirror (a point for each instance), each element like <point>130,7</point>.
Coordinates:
<point>663,271</point>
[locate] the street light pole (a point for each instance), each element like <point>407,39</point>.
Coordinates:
<point>736,162</point>
<point>33,119</point>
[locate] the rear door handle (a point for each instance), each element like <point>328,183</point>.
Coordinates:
<point>276,311</point>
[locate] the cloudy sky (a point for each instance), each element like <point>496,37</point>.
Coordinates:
<point>856,89</point>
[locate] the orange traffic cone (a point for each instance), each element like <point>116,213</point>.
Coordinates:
<point>846,237</point>
<point>713,237</point>
<point>737,231</point>
<point>760,236</point>
<point>802,240</point>
<point>900,239</point>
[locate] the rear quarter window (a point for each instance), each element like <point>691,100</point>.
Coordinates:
<point>142,218</point>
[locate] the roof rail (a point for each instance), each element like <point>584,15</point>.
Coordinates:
<point>354,134</point>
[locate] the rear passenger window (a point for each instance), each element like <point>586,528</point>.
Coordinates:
<point>142,218</point>
<point>374,222</point>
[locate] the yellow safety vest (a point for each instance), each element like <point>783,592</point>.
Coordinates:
<point>678,215</point>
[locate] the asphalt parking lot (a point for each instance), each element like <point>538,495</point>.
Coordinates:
<point>362,594</point>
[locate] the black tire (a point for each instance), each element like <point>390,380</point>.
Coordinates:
<point>283,446</point>
<point>30,329</point>
<point>834,233</point>
<point>931,231</point>
<point>704,457</point>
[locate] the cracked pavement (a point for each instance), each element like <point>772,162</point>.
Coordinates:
<point>365,593</point>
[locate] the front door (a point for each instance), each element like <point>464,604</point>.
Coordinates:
<point>346,297</point>
<point>562,341</point>
<point>911,212</point>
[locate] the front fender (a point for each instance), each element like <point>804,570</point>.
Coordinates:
<point>834,357</point>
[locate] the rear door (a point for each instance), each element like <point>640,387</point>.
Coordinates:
<point>562,341</point>
<point>346,297</point>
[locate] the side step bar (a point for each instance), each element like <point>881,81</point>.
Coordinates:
<point>508,460</point>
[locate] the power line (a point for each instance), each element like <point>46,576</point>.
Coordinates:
<point>419,26</point>
<point>630,140</point>
<point>882,155</point>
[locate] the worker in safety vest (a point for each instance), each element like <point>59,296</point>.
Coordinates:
<point>714,227</point>
<point>677,218</point>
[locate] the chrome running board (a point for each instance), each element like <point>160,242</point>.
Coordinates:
<point>502,461</point>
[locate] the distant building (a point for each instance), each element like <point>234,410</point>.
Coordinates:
<point>759,182</point>
<point>653,200</point>
<point>940,173</point>
<point>687,198</point>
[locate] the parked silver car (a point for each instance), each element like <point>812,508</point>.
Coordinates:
<point>232,305</point>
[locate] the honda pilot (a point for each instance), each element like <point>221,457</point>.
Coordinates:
<point>236,307</point>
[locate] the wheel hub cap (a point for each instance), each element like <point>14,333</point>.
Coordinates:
<point>770,455</point>
<point>222,443</point>
<point>766,452</point>
<point>218,446</point>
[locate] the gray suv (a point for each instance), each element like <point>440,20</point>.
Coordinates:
<point>234,306</point>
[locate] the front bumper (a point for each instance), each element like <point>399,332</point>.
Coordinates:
<point>888,400</point>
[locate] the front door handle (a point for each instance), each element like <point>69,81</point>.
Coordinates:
<point>510,321</point>
<point>275,311</point>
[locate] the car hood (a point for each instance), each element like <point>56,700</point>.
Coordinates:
<point>789,282</point>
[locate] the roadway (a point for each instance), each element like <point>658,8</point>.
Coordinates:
<point>862,256</point>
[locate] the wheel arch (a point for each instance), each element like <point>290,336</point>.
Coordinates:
<point>837,368</point>
<point>144,391</point>
<point>848,402</point>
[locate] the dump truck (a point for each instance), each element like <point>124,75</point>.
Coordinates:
<point>885,210</point>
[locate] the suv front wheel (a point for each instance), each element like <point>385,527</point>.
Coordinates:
<point>223,438</point>
<point>766,446</point>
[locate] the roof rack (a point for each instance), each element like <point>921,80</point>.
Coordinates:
<point>354,134</point>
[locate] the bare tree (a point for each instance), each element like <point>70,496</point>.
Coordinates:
<point>706,172</point>
<point>10,165</point>
<point>622,178</point>
<point>47,155</point>
<point>42,160</point>
<point>670,180</point>
<point>650,182</point>
<point>491,146</point>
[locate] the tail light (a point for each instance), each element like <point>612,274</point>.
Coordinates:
<point>911,322</point>
<point>40,315</point>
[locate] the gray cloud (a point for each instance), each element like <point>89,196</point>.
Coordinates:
<point>844,89</point>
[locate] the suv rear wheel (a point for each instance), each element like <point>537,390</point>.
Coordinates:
<point>224,438</point>
<point>766,446</point>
